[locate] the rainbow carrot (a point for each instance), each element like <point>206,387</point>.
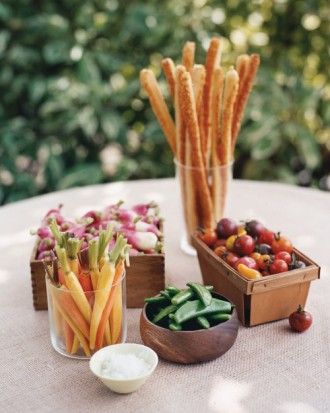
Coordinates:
<point>116,315</point>
<point>68,336</point>
<point>107,309</point>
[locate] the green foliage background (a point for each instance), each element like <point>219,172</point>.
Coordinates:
<point>71,110</point>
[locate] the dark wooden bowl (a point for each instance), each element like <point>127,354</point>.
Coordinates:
<point>188,347</point>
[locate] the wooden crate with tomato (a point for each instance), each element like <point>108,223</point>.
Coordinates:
<point>266,281</point>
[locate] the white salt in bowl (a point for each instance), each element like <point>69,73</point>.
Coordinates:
<point>126,351</point>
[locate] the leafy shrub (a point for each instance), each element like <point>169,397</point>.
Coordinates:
<point>71,110</point>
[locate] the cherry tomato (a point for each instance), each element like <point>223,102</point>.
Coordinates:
<point>220,251</point>
<point>244,245</point>
<point>255,256</point>
<point>264,249</point>
<point>241,230</point>
<point>219,242</point>
<point>281,243</point>
<point>264,273</point>
<point>209,237</point>
<point>254,228</point>
<point>285,256</point>
<point>230,242</point>
<point>248,261</point>
<point>278,266</point>
<point>248,272</point>
<point>266,237</point>
<point>226,227</point>
<point>231,259</point>
<point>263,262</point>
<point>300,320</point>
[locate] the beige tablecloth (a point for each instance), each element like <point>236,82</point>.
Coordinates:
<point>269,369</point>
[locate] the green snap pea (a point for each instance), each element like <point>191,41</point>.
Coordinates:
<point>172,290</point>
<point>203,293</point>
<point>164,312</point>
<point>156,299</point>
<point>220,317</point>
<point>165,294</point>
<point>185,295</point>
<point>203,322</point>
<point>175,327</point>
<point>193,309</point>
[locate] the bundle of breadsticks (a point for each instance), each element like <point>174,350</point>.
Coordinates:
<point>208,103</point>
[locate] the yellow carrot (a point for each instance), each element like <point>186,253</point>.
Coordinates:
<point>75,345</point>
<point>116,315</point>
<point>107,334</point>
<point>74,285</point>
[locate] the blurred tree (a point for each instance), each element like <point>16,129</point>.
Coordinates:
<point>71,112</point>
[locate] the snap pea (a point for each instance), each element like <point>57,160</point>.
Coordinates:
<point>185,295</point>
<point>175,327</point>
<point>172,290</point>
<point>203,321</point>
<point>164,312</point>
<point>193,309</point>
<point>165,294</point>
<point>156,299</point>
<point>220,317</point>
<point>201,292</point>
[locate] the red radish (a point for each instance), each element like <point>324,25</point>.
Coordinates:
<point>141,241</point>
<point>300,320</point>
<point>141,226</point>
<point>94,215</point>
<point>46,244</point>
<point>143,209</point>
<point>44,232</point>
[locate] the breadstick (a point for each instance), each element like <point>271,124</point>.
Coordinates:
<point>229,97</point>
<point>187,100</point>
<point>188,55</point>
<point>158,104</point>
<point>243,97</point>
<point>169,72</point>
<point>216,100</point>
<point>179,122</point>
<point>224,143</point>
<point>212,61</point>
<point>198,80</point>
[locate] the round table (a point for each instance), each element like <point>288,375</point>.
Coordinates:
<point>269,368</point>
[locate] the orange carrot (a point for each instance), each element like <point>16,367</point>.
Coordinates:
<point>65,301</point>
<point>86,283</point>
<point>108,306</point>
<point>61,277</point>
<point>68,336</point>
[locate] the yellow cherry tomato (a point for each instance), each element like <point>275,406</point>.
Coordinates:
<point>230,242</point>
<point>241,230</point>
<point>249,273</point>
<point>255,256</point>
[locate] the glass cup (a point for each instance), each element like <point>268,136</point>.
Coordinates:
<point>218,179</point>
<point>70,332</point>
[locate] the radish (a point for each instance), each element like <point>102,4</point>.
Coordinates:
<point>46,244</point>
<point>46,255</point>
<point>143,209</point>
<point>42,232</point>
<point>126,216</point>
<point>110,211</point>
<point>95,216</point>
<point>133,252</point>
<point>141,226</point>
<point>141,241</point>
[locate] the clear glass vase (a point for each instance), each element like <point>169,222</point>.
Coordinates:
<point>218,180</point>
<point>70,331</point>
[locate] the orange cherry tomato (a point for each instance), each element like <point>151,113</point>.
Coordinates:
<point>263,262</point>
<point>209,237</point>
<point>281,243</point>
<point>241,230</point>
<point>255,256</point>
<point>219,242</point>
<point>220,251</point>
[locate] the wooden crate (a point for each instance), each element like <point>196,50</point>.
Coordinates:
<point>271,298</point>
<point>144,278</point>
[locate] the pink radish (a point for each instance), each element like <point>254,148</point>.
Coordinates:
<point>46,255</point>
<point>143,209</point>
<point>141,241</point>
<point>46,244</point>
<point>126,215</point>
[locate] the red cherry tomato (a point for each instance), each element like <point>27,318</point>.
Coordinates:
<point>248,261</point>
<point>285,256</point>
<point>300,320</point>
<point>263,262</point>
<point>282,244</point>
<point>219,242</point>
<point>278,266</point>
<point>209,237</point>
<point>266,237</point>
<point>231,259</point>
<point>244,245</point>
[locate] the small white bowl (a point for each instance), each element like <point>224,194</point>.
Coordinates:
<point>123,385</point>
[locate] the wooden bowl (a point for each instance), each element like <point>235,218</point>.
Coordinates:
<point>188,347</point>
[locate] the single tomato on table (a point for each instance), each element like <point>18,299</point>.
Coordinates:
<point>300,320</point>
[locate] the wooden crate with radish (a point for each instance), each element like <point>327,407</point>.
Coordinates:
<point>142,227</point>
